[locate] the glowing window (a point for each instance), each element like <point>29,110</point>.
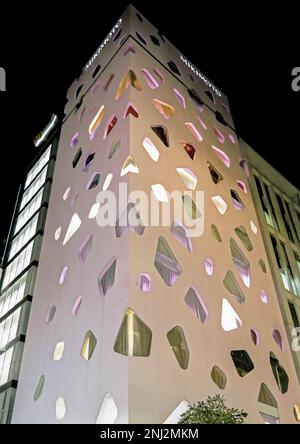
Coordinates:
<point>60,408</point>
<point>74,140</point>
<point>164,108</point>
<point>253,227</point>
<point>220,204</point>
<point>57,233</point>
<point>202,123</point>
<point>108,412</point>
<point>188,178</point>
<point>159,75</point>
<point>180,98</point>
<point>134,337</point>
<point>220,136</point>
<point>188,147</point>
<point>214,173</point>
<point>107,181</point>
<point>129,79</point>
<point>229,319</point>
<point>150,80</point>
<point>242,186</point>
<point>67,193</point>
<point>94,210</point>
<point>130,110</point>
<point>194,131</point>
<point>129,166</point>
<point>96,122</point>
<point>160,192</point>
<point>263,297</point>
<point>73,227</point>
<point>109,126</point>
<point>151,149</point>
<point>63,275</point>
<point>221,155</point>
<point>58,351</point>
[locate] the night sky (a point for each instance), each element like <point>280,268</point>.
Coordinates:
<point>246,52</point>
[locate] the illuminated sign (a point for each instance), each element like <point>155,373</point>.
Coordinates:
<point>200,75</point>
<point>105,41</point>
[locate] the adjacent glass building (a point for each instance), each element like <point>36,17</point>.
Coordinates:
<point>19,263</point>
<point>129,322</point>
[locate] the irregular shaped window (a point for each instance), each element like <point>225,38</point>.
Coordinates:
<point>172,65</point>
<point>60,408</point>
<point>242,362</point>
<point>107,181</point>
<point>209,266</point>
<point>280,375</point>
<point>109,126</point>
<point>195,303</point>
<point>144,282</point>
<point>50,314</point>
<point>166,263</point>
<point>114,148</point>
<point>39,388</point>
<point>221,155</point>
<point>230,283</point>
<point>73,227</point>
<point>220,204</point>
<point>160,192</point>
<point>94,181</point>
<point>88,346</point>
<point>161,132</point>
<point>77,158</point>
<point>150,80</point>
<point>106,278</point>
<point>129,79</point>
<point>180,98</point>
<point>236,200</point>
<point>194,131</point>
<point>215,233</point>
<point>216,176</point>
<point>130,219</point>
<point>131,110</point>
<point>179,346</point>
<point>278,338</point>
<point>229,319</point>
<point>181,233</point>
<point>164,108</point>
<point>188,147</point>
<point>242,186</point>
<point>134,337</point>
<point>151,149</point>
<point>241,263</point>
<point>129,166</point>
<point>255,336</point>
<point>58,351</point>
<point>218,377</point>
<point>190,207</point>
<point>267,405</point>
<point>85,248</point>
<point>95,123</point>
<point>188,177</point>
<point>76,306</point>
<point>196,99</point>
<point>243,236</point>
<point>108,412</point>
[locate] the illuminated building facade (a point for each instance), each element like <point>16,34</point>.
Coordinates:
<point>129,323</point>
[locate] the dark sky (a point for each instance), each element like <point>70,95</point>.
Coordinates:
<point>247,52</point>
